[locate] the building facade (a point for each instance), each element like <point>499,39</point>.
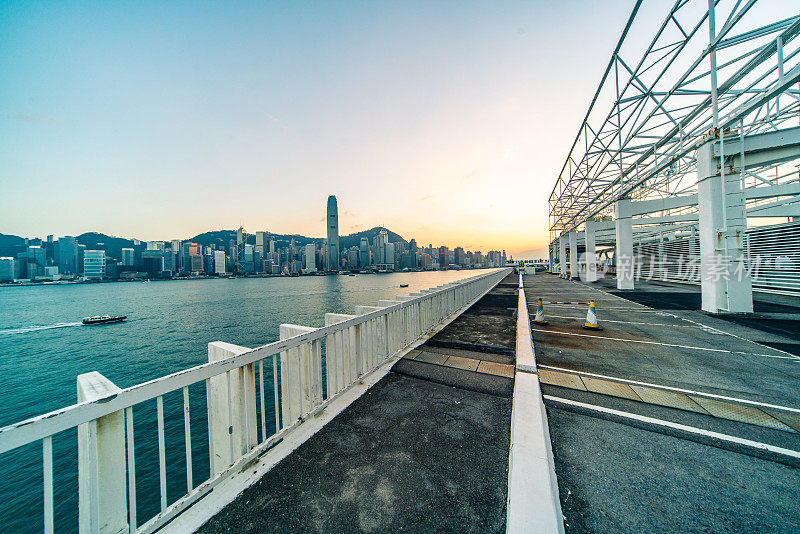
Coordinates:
<point>94,264</point>
<point>332,262</point>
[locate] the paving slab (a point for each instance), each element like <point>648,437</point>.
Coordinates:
<point>557,378</point>
<point>667,398</point>
<point>607,387</point>
<point>498,369</point>
<point>431,357</point>
<point>738,412</point>
<point>468,364</point>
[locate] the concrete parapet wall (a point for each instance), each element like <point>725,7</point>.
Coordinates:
<point>533,502</point>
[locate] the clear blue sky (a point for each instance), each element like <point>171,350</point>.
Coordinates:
<point>445,121</point>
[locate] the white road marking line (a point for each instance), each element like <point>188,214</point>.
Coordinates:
<point>739,337</point>
<point>701,327</point>
<point>664,344</point>
<point>677,426</point>
<point>603,291</point>
<point>788,354</point>
<point>638,310</point>
<point>678,390</point>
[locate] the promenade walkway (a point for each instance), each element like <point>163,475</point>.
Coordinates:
<point>669,419</point>
<point>425,449</point>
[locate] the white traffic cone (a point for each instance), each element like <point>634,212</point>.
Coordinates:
<point>591,318</point>
<point>539,317</point>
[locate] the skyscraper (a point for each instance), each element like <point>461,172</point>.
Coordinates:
<point>94,264</point>
<point>68,255</point>
<point>311,258</point>
<point>261,242</point>
<point>128,257</point>
<point>363,252</point>
<point>6,269</point>
<point>219,261</point>
<point>380,247</point>
<point>333,235</point>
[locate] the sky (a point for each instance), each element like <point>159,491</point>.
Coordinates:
<point>447,122</point>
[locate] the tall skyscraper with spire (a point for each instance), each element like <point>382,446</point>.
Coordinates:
<point>332,255</point>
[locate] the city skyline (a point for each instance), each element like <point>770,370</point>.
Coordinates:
<point>429,124</point>
<point>227,252</point>
<point>70,258</point>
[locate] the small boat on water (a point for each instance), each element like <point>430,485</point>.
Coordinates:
<point>403,285</point>
<point>104,319</point>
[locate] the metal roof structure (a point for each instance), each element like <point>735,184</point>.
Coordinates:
<point>723,69</point>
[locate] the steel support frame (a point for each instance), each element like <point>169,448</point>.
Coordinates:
<point>741,86</point>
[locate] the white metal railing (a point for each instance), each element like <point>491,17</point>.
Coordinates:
<point>303,362</point>
<point>773,251</point>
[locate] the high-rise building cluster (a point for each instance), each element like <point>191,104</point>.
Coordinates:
<point>243,254</point>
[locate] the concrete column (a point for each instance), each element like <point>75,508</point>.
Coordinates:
<point>623,257</point>
<point>301,375</point>
<point>725,279</point>
<point>562,254</point>
<point>551,256</point>
<point>591,256</point>
<point>233,428</point>
<point>102,505</point>
<point>554,268</point>
<point>574,267</point>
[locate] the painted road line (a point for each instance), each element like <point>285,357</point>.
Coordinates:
<point>637,310</point>
<point>788,354</point>
<point>739,337</point>
<point>678,390</point>
<point>796,358</point>
<point>710,435</point>
<point>699,327</point>
<point>610,294</point>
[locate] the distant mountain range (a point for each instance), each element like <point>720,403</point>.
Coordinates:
<point>10,245</point>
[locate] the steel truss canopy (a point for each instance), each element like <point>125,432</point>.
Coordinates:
<point>708,69</point>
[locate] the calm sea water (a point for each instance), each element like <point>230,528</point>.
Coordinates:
<point>43,347</point>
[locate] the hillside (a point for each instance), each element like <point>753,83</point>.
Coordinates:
<point>10,245</point>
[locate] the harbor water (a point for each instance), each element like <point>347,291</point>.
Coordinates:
<point>44,346</point>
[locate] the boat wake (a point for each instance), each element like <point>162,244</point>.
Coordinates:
<point>36,328</point>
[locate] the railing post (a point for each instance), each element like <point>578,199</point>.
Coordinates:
<point>419,316</point>
<point>102,500</point>
<point>343,354</point>
<point>392,328</point>
<point>374,335</point>
<point>301,375</point>
<point>232,412</point>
